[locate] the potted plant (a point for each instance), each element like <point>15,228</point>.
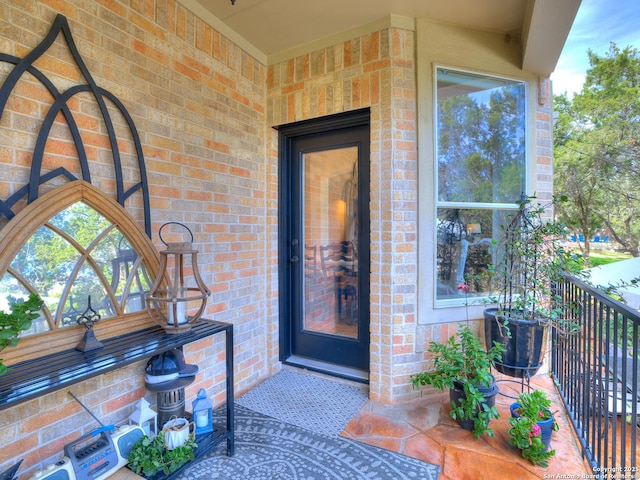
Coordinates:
<point>463,366</point>
<point>530,257</point>
<point>531,425</point>
<point>151,457</point>
<point>19,318</point>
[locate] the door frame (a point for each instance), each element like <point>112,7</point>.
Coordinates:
<point>287,134</point>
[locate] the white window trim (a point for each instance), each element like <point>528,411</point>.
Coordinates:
<point>464,301</point>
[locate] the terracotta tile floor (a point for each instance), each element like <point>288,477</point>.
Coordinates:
<point>424,430</point>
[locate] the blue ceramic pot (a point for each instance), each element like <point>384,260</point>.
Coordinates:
<point>546,426</point>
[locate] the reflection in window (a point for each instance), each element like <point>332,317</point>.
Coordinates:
<point>481,159</point>
<point>77,254</point>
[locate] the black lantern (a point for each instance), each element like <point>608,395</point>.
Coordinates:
<point>88,319</point>
<point>169,302</point>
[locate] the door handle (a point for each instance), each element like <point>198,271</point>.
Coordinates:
<point>294,259</point>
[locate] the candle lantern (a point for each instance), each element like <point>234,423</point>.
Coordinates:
<point>145,417</point>
<point>202,413</point>
<point>172,297</point>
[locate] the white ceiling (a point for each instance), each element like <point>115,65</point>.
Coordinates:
<point>274,27</point>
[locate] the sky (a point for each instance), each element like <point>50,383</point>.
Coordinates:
<point>597,24</point>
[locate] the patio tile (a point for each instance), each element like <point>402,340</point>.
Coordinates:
<point>424,430</point>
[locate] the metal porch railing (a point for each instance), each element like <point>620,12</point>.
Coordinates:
<point>597,372</point>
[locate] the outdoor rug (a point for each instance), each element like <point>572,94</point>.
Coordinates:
<point>308,401</point>
<point>270,449</point>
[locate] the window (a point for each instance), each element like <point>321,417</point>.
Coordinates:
<point>69,244</point>
<point>480,165</point>
<point>78,254</point>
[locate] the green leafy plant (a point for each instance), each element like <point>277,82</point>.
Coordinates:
<point>19,318</point>
<point>534,405</point>
<point>531,256</point>
<point>150,456</point>
<point>465,361</point>
<point>525,432</point>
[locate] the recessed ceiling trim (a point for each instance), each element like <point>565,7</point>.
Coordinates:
<point>221,27</point>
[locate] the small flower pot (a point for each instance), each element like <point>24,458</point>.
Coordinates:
<point>546,426</point>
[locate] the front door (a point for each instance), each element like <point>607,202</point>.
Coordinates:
<point>324,244</point>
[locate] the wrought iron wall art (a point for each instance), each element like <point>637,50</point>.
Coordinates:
<point>60,235</point>
<point>60,105</point>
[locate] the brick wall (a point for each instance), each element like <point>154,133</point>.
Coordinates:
<point>204,109</point>
<point>376,70</point>
<point>198,102</point>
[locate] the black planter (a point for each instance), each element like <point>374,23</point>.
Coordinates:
<point>524,352</point>
<point>457,394</point>
<point>546,426</point>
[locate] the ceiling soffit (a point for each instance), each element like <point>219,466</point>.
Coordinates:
<point>276,30</point>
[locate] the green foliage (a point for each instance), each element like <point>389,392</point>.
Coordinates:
<point>481,144</point>
<point>597,259</point>
<point>18,319</point>
<point>524,432</point>
<point>531,257</point>
<point>50,257</point>
<point>148,457</point>
<point>597,150</point>
<point>534,405</point>
<point>464,360</point>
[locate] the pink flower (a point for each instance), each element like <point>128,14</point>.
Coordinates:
<point>464,287</point>
<point>535,430</point>
<point>540,413</point>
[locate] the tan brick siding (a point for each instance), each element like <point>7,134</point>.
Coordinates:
<point>376,71</point>
<point>204,110</point>
<point>198,102</point>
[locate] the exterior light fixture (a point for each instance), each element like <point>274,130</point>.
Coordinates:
<point>169,302</point>
<point>202,413</point>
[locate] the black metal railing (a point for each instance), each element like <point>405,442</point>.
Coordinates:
<point>597,372</point>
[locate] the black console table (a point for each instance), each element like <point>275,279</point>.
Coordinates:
<point>33,378</point>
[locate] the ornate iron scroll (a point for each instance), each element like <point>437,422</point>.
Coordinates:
<point>59,105</point>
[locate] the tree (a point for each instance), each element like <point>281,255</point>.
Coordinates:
<point>597,156</point>
<point>575,164</point>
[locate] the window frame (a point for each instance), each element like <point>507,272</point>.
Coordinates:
<point>27,222</point>
<point>438,204</point>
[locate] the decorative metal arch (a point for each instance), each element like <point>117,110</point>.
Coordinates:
<point>31,190</point>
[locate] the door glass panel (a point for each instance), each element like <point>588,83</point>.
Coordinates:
<point>330,242</point>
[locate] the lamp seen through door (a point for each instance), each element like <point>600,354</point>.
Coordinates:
<point>177,300</point>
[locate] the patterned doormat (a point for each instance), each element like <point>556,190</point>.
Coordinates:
<point>270,449</point>
<point>320,405</point>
